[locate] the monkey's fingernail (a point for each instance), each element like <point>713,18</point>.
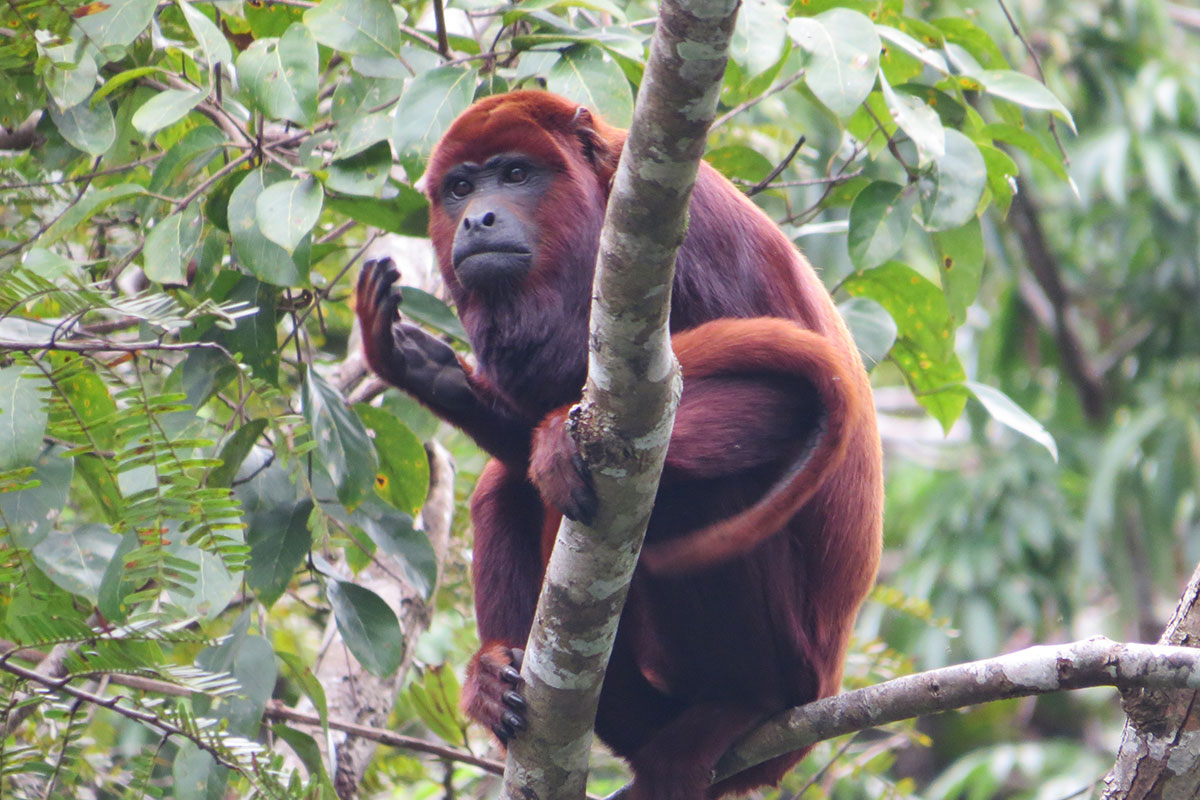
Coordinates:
<point>513,721</point>
<point>511,675</point>
<point>513,700</point>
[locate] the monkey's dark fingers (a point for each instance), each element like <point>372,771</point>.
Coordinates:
<point>386,275</point>
<point>513,700</point>
<point>584,503</point>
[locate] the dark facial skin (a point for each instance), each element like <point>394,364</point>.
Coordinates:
<point>493,204</point>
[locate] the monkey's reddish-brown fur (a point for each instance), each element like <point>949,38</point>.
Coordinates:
<point>766,531</point>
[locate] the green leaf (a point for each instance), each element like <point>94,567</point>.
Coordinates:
<point>951,189</point>
<point>279,541</point>
<point>169,247</point>
<point>30,513</point>
<point>393,533</point>
<point>872,327</point>
<point>934,58</point>
<point>758,35</point>
<point>208,35</point>
<point>254,335</point>
<point>120,23</point>
<point>1023,90</point>
<point>114,585</point>
<point>92,203</point>
<point>435,698</point>
<point>918,120</point>
<point>591,77</point>
<point>406,214</point>
<point>924,349</point>
<point>234,452</point>
<point>960,266</point>
<point>258,254</point>
<point>1002,174</point>
<point>428,309</point>
<point>368,626</point>
<point>166,108</point>
<point>76,560</point>
<point>288,210</point>
<point>1019,137</point>
<point>879,219</point>
<point>343,447</point>
<point>403,478</point>
<point>281,75</point>
<point>22,416</point>
<point>362,174</point>
<point>1002,409</point>
<point>87,128</point>
<point>740,161</point>
<point>102,484</point>
<point>358,27</point>
<point>70,83</point>
<point>429,105</point>
<point>213,588</point>
<point>122,78</point>
<point>844,57</point>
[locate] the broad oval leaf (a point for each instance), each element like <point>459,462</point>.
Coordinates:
<point>879,219</point>
<point>960,266</point>
<point>119,23</point>
<point>952,188</point>
<point>924,348</point>
<point>258,254</point>
<point>29,513</point>
<point>208,35</point>
<point>288,210</point>
<point>342,444</point>
<point>368,626</point>
<point>428,106</point>
<point>364,173</point>
<point>77,560</point>
<point>758,35</point>
<point>591,77</point>
<point>918,120</point>
<point>91,129</point>
<point>844,57</point>
<point>872,327</point>
<point>1005,411</point>
<point>169,246</point>
<point>281,74</point>
<point>403,478</point>
<point>71,83</point>
<point>358,27</point>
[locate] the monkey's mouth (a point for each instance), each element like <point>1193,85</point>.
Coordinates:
<point>490,267</point>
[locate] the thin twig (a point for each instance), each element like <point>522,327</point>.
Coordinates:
<point>76,178</point>
<point>1037,62</point>
<point>753,101</point>
<point>780,167</point>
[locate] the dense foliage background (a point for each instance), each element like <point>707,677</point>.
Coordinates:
<point>186,495</point>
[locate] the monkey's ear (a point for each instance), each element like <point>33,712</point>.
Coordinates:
<point>595,149</point>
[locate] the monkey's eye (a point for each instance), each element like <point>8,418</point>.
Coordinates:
<point>515,174</point>
<point>461,187</point>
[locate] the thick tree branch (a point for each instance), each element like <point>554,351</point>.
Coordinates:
<point>1036,670</point>
<point>624,421</point>
<point>1159,755</point>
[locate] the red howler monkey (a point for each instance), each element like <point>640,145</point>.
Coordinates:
<point>766,530</point>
